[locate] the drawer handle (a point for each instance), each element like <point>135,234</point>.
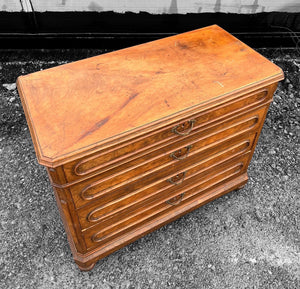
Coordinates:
<point>182,127</point>
<point>176,201</point>
<point>177,155</point>
<point>178,179</point>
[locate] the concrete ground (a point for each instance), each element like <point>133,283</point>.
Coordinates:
<point>247,239</point>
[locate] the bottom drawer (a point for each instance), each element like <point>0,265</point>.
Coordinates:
<point>99,236</point>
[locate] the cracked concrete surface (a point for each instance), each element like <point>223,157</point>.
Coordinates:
<point>247,239</point>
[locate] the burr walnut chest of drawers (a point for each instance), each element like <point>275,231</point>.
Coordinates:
<point>136,138</point>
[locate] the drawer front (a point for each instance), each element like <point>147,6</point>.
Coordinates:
<point>179,149</point>
<point>99,235</point>
<point>111,212</point>
<point>117,184</point>
<point>123,153</point>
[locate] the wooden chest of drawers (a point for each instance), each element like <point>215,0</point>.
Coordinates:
<point>136,138</point>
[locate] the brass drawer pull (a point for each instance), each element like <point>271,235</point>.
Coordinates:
<point>176,200</point>
<point>177,154</point>
<point>178,179</point>
<point>184,128</point>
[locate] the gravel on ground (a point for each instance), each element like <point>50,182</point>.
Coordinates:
<point>246,239</point>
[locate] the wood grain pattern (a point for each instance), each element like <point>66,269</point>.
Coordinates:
<point>132,192</point>
<point>107,231</point>
<point>109,185</point>
<point>212,131</point>
<point>123,91</point>
<point>88,260</point>
<point>111,211</point>
<point>139,137</point>
<point>115,156</point>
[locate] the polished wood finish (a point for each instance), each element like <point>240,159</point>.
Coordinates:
<point>111,183</point>
<point>138,149</point>
<point>131,91</point>
<point>136,138</point>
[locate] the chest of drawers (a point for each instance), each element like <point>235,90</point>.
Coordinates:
<point>136,138</point>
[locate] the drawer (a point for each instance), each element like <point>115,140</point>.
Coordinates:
<point>116,155</point>
<point>178,150</point>
<point>101,234</point>
<point>110,212</point>
<point>100,185</point>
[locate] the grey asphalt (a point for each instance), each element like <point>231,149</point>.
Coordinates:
<point>247,239</point>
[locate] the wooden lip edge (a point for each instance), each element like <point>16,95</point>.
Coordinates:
<point>58,161</point>
<point>97,254</point>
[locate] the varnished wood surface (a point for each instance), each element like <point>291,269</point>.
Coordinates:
<point>86,261</point>
<point>161,211</point>
<point>196,140</point>
<point>124,206</point>
<point>108,185</point>
<point>136,138</point>
<point>117,233</point>
<point>124,223</point>
<point>129,154</point>
<point>78,107</point>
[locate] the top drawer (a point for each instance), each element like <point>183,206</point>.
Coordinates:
<point>124,152</point>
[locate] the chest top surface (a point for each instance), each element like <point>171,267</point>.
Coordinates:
<point>82,105</point>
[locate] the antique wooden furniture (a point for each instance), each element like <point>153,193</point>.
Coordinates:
<point>136,138</point>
